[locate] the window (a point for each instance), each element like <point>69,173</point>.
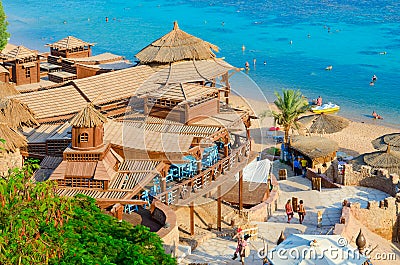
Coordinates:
<point>27,72</point>
<point>83,138</point>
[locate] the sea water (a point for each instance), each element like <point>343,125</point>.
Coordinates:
<point>297,40</point>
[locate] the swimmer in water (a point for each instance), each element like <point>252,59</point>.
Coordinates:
<point>243,48</point>
<point>247,65</point>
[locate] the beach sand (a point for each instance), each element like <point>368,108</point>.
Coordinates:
<point>354,139</point>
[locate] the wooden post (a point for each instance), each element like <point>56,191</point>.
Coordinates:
<point>240,191</point>
<point>163,184</point>
<point>199,166</point>
<point>219,212</point>
<point>145,106</point>
<point>191,207</point>
<point>226,149</point>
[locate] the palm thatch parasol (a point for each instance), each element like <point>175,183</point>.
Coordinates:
<point>175,46</point>
<point>385,159</point>
<point>13,139</point>
<point>16,114</point>
<point>88,117</point>
<point>7,89</point>
<point>324,123</point>
<point>381,143</point>
<point>313,146</point>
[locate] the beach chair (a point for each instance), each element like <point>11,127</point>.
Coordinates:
<point>130,208</point>
<point>146,198</point>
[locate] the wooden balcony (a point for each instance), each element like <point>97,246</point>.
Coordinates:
<point>209,179</point>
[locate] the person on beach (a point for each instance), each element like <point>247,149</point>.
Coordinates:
<point>301,211</point>
<point>289,210</point>
<point>319,101</point>
<point>376,115</point>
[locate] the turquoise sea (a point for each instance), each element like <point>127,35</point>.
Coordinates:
<point>297,39</point>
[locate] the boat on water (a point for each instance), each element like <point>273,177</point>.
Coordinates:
<point>326,108</point>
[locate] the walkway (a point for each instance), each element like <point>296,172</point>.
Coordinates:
<point>220,250</point>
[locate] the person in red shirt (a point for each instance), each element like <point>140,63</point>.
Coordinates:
<point>289,210</point>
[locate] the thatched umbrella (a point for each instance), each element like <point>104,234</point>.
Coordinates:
<point>13,139</point>
<point>16,114</point>
<point>7,89</point>
<point>313,146</point>
<point>176,46</point>
<point>88,117</point>
<point>324,123</point>
<point>381,143</point>
<point>386,159</point>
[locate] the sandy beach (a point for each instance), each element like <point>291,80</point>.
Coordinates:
<point>354,139</point>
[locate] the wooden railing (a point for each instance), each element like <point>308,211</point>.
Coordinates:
<point>205,178</point>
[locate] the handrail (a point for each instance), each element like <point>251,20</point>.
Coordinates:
<point>184,189</point>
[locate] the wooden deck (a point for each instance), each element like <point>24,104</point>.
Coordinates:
<point>210,179</point>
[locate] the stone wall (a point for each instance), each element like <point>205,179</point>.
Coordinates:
<point>9,160</point>
<point>378,179</point>
<point>378,217</point>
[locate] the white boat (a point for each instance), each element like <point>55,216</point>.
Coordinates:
<point>326,108</point>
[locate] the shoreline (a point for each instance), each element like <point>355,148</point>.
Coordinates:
<point>354,139</point>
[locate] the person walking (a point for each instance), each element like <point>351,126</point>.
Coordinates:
<point>289,210</point>
<point>241,245</point>
<point>304,166</point>
<point>297,167</point>
<point>301,211</point>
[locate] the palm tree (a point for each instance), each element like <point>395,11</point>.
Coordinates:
<point>291,105</point>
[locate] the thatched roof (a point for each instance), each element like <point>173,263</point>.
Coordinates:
<point>383,159</point>
<point>382,142</point>
<point>7,89</point>
<point>18,53</point>
<point>313,146</point>
<point>69,42</point>
<point>324,123</point>
<point>175,46</point>
<point>16,114</point>
<point>88,117</point>
<point>13,139</point>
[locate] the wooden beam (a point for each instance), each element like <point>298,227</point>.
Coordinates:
<point>240,191</point>
<point>104,203</point>
<point>219,208</point>
<point>191,207</point>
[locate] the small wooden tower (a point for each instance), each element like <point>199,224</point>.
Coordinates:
<point>88,163</point>
<point>22,65</point>
<point>71,47</point>
<point>87,129</point>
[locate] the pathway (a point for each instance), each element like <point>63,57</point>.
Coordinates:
<point>329,201</point>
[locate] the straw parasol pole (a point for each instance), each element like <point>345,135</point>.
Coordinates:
<point>175,46</point>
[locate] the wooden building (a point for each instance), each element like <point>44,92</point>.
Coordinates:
<point>88,163</point>
<point>22,65</point>
<point>71,47</point>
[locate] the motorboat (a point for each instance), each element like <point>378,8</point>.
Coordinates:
<point>326,108</point>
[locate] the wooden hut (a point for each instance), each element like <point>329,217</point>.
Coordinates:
<point>22,65</point>
<point>318,150</point>
<point>70,47</point>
